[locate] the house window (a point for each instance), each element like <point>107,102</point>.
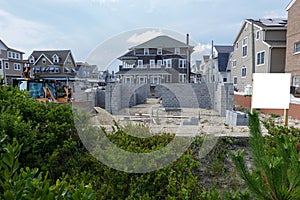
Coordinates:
<point>159,51</point>
<point>177,51</point>
<point>296,81</point>
<point>128,80</point>
<point>182,63</point>
<point>260,58</point>
<point>6,65</point>
<point>159,63</point>
<point>13,55</point>
<point>31,60</point>
<point>168,78</point>
<point>152,63</point>
<point>257,35</point>
<point>17,56</point>
<point>297,47</point>
<point>244,72</point>
<point>146,51</point>
<point>182,78</point>
<point>168,63</point>
<point>235,80</point>
<point>245,46</point>
<point>155,79</point>
<point>56,70</point>
<point>142,79</point>
<point>44,60</point>
<point>9,55</point>
<point>140,63</point>
<point>234,63</point>
<point>55,59</point>
<point>237,45</point>
<point>17,66</point>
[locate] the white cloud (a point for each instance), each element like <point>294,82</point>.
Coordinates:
<point>143,37</point>
<point>202,48</point>
<point>21,33</point>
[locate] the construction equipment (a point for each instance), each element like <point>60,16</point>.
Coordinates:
<point>45,90</point>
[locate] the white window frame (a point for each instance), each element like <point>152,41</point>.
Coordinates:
<point>9,54</point>
<point>234,63</point>
<point>259,58</point>
<point>168,63</point>
<point>17,66</point>
<point>245,46</point>
<point>296,80</point>
<point>257,35</point>
<point>155,80</point>
<point>159,63</point>
<point>244,68</point>
<point>31,59</point>
<point>146,51</point>
<point>128,80</point>
<point>152,63</point>
<point>182,78</point>
<point>13,55</point>
<point>18,56</point>
<point>297,47</point>
<point>177,51</point>
<point>235,80</point>
<point>56,59</point>
<point>140,64</point>
<point>182,63</point>
<point>159,51</point>
<point>6,65</point>
<point>44,60</point>
<point>142,79</point>
<point>168,78</point>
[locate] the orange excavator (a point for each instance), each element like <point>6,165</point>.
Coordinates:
<point>45,90</point>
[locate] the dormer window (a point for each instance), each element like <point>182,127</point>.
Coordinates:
<point>159,51</point>
<point>177,51</point>
<point>146,51</point>
<point>44,60</point>
<point>55,58</point>
<point>31,59</point>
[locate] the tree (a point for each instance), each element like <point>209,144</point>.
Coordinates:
<point>276,171</point>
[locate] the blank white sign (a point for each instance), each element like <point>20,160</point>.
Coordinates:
<point>271,90</point>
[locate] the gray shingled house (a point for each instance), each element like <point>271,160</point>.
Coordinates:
<point>159,60</point>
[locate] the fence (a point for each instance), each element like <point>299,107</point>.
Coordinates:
<point>245,101</point>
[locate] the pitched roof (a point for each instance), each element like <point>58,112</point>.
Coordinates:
<point>290,5</point>
<point>270,22</point>
<point>161,42</point>
<point>62,54</point>
<point>265,24</point>
<point>10,48</point>
<point>224,48</point>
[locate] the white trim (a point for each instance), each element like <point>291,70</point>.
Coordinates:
<point>290,5</point>
<point>259,52</point>
<point>5,65</point>
<point>41,57</point>
<point>244,67</point>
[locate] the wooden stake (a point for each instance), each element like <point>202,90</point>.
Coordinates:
<point>286,117</point>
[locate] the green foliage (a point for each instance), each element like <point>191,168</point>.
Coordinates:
<point>26,183</point>
<point>276,174</point>
<point>54,164</point>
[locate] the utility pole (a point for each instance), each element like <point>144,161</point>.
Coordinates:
<point>188,58</point>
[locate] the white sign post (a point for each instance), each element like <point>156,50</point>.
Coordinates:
<point>271,91</point>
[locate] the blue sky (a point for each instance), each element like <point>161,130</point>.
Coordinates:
<point>81,25</point>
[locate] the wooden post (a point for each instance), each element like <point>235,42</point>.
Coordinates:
<point>286,117</point>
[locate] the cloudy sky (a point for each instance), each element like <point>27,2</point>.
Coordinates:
<point>81,25</point>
